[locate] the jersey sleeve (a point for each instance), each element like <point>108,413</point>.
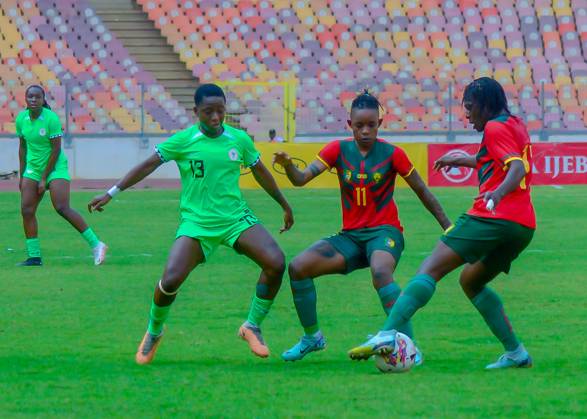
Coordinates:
<point>401,162</point>
<point>54,127</point>
<point>251,155</point>
<point>172,148</point>
<point>329,154</point>
<point>501,144</point>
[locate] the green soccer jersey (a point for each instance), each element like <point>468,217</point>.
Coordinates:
<point>38,135</point>
<point>210,171</point>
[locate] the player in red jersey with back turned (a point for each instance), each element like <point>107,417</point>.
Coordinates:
<point>372,233</point>
<point>489,236</point>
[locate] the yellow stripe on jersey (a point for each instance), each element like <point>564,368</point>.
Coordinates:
<point>410,172</point>
<point>505,163</point>
<point>322,160</point>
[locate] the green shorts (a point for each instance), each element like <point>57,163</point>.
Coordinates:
<point>211,238</point>
<point>59,172</point>
<point>494,242</point>
<point>357,246</point>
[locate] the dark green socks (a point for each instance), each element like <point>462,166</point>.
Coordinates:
<point>418,292</point>
<point>491,308</point>
<point>388,295</point>
<point>304,296</point>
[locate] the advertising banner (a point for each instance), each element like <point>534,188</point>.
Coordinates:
<point>554,164</point>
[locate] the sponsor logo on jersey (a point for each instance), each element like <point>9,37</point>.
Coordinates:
<point>233,154</point>
<point>390,242</point>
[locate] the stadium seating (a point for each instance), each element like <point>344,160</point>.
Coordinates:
<point>406,52</point>
<point>55,43</point>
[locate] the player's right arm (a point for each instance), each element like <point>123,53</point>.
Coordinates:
<point>135,175</point>
<point>455,161</point>
<point>296,176</point>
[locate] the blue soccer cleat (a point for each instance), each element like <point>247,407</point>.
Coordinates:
<point>307,344</point>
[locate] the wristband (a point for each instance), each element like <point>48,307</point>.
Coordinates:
<point>113,191</point>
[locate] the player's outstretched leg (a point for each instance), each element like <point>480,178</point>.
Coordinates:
<point>59,189</point>
<point>257,244</point>
<point>186,253</point>
<point>418,292</point>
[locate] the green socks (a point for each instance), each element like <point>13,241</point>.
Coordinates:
<point>91,237</point>
<point>491,308</point>
<point>418,292</point>
<point>33,248</point>
<point>157,317</point>
<point>304,296</point>
<point>388,296</point>
<point>258,311</point>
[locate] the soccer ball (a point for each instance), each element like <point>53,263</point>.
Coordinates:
<point>400,359</point>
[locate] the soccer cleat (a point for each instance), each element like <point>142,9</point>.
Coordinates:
<point>382,342</point>
<point>252,335</point>
<point>507,360</point>
<point>100,253</point>
<point>34,261</point>
<point>306,345</point>
<point>147,348</point>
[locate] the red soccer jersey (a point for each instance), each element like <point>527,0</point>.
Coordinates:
<point>505,139</point>
<point>367,183</point>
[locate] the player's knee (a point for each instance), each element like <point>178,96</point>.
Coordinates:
<point>297,269</point>
<point>276,266</point>
<point>172,279</point>
<point>468,286</point>
<point>62,210</point>
<point>381,277</point>
<point>27,211</point>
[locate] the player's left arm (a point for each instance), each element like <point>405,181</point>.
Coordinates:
<point>55,150</point>
<point>427,198</point>
<point>265,179</point>
<point>516,171</point>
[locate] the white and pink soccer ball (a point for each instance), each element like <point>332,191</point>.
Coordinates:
<point>401,358</point>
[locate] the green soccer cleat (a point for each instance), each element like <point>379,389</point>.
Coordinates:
<point>307,344</point>
<point>382,342</point>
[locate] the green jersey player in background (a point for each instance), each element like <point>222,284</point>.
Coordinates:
<point>209,156</point>
<point>44,166</point>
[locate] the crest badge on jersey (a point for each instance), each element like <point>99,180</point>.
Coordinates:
<point>376,177</point>
<point>42,132</point>
<point>233,154</point>
<point>389,242</point>
<point>348,175</point>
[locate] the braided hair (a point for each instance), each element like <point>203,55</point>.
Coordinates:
<point>488,94</point>
<point>366,100</point>
<point>45,104</point>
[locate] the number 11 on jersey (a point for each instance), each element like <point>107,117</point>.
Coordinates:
<point>361,194</point>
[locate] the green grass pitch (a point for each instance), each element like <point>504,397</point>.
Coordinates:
<point>69,330</point>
